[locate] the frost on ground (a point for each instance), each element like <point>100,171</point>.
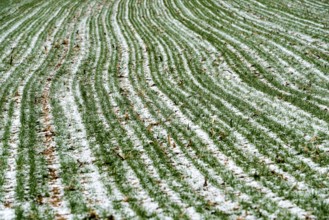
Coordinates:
<point>164,109</point>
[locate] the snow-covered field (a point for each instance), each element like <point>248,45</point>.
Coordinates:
<point>164,109</point>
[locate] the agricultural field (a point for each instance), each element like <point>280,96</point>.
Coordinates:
<point>164,109</point>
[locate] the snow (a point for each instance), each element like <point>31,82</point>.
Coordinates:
<point>95,182</point>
